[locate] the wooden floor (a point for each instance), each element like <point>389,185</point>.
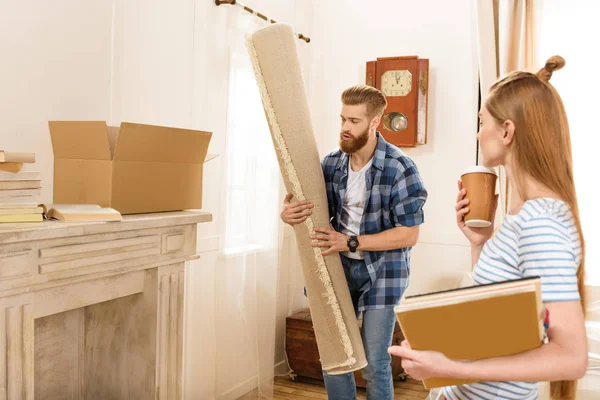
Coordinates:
<point>312,389</point>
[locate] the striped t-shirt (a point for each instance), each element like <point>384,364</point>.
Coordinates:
<point>541,240</point>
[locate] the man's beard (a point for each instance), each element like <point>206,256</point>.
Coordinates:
<point>355,144</point>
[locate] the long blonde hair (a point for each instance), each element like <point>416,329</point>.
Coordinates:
<point>541,148</point>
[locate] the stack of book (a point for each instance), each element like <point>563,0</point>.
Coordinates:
<point>19,190</point>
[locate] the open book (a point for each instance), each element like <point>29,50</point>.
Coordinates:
<point>81,212</point>
<point>475,322</point>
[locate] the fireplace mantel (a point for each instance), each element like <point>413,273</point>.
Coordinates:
<point>95,310</point>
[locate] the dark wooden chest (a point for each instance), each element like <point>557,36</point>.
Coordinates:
<point>303,354</point>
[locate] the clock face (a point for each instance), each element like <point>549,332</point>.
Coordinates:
<point>396,82</point>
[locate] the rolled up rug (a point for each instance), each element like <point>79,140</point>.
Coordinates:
<point>277,69</point>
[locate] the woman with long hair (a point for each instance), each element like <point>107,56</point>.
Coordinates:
<point>524,128</point>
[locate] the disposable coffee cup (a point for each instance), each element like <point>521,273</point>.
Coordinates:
<point>480,184</point>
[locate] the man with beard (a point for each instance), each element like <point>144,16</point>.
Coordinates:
<point>376,199</point>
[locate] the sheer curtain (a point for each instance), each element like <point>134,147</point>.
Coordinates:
<point>507,42</point>
<point>565,29</point>
<point>248,278</point>
<point>523,34</point>
<point>248,261</point>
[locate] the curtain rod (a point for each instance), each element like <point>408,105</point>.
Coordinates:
<point>259,15</point>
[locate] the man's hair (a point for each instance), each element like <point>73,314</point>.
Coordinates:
<point>368,95</point>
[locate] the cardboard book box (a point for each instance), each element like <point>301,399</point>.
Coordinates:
<point>134,169</point>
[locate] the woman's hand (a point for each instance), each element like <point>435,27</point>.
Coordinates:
<point>476,236</point>
<point>423,364</point>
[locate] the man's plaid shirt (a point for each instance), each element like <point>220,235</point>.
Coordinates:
<point>395,197</point>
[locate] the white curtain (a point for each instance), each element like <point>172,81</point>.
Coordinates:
<point>256,281</point>
<point>578,88</point>
<point>506,35</point>
<point>247,265</point>
<point>248,278</point>
<point>564,30</point>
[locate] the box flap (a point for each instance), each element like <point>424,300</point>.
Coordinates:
<point>79,139</point>
<point>138,142</point>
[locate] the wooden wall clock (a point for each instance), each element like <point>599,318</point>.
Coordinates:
<point>405,82</point>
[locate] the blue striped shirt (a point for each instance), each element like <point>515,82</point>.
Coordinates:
<point>541,240</point>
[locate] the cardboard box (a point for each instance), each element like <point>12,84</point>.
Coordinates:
<point>134,169</point>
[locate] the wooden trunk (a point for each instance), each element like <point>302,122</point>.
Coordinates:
<point>303,354</point>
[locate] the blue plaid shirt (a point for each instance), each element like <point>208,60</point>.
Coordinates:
<point>395,197</point>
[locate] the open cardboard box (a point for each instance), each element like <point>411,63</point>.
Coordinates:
<point>134,169</point>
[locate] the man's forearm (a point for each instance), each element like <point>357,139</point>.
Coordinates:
<point>391,239</point>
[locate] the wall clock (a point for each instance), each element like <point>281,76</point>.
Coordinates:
<point>405,82</point>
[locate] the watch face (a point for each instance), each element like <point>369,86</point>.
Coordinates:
<point>396,82</point>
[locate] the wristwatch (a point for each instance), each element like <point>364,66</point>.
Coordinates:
<point>352,243</point>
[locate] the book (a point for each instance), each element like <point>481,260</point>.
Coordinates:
<point>20,200</point>
<point>26,184</point>
<point>474,322</point>
<point>16,157</point>
<point>20,205</point>
<point>19,176</point>
<point>18,193</point>
<point>21,218</point>
<point>80,212</point>
<point>20,210</point>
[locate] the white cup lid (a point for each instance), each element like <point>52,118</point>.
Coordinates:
<point>479,168</point>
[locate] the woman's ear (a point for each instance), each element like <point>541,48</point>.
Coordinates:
<point>509,132</point>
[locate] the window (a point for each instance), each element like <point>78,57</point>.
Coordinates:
<point>569,29</point>
<point>252,186</point>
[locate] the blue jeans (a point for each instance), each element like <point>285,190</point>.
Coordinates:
<point>377,330</point>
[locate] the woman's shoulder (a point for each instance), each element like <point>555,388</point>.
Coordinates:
<point>544,211</point>
<point>548,223</point>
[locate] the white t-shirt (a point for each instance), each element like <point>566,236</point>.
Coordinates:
<point>354,205</point>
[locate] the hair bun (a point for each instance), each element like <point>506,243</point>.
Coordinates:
<point>554,63</point>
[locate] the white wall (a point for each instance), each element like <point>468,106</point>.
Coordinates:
<point>55,64</point>
<point>349,33</point>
